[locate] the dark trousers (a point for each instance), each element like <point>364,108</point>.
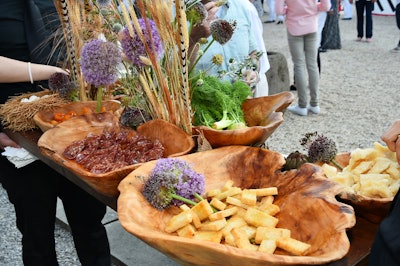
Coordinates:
<point>368,6</point>
<point>33,190</point>
<point>385,250</point>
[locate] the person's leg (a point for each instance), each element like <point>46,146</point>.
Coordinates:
<point>360,18</point>
<point>271,11</point>
<point>85,214</point>
<point>296,47</point>
<point>368,19</point>
<point>262,86</point>
<point>31,189</point>
<point>280,19</point>
<point>310,48</point>
<point>397,13</point>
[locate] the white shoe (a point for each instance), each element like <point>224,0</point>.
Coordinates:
<point>314,109</point>
<point>298,110</point>
<point>395,50</point>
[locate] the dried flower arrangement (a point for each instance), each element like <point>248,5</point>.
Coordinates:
<point>139,53</point>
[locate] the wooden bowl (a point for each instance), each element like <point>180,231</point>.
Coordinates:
<point>43,119</point>
<point>263,115</point>
<point>307,202</point>
<point>372,209</point>
<point>54,141</point>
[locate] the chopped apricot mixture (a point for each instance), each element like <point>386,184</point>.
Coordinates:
<point>59,117</point>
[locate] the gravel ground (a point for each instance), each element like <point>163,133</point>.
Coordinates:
<point>359,99</point>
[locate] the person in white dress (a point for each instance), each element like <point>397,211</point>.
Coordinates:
<point>347,9</point>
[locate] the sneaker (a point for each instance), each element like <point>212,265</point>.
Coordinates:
<point>395,50</point>
<point>279,22</point>
<point>368,40</point>
<point>314,109</point>
<point>358,39</point>
<point>298,110</point>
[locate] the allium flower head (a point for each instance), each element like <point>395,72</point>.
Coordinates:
<point>117,27</point>
<point>172,177</point>
<point>320,148</point>
<point>99,61</point>
<point>60,82</point>
<point>222,30</point>
<point>196,13</point>
<point>103,3</point>
<point>133,47</point>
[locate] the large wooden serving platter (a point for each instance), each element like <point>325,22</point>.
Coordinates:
<point>54,141</point>
<point>263,116</point>
<point>306,199</point>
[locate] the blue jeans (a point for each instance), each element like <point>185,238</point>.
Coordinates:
<point>368,6</point>
<point>303,50</point>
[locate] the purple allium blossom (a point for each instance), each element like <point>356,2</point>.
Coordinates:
<point>172,176</point>
<point>134,47</point>
<point>60,82</point>
<point>320,148</point>
<point>99,61</point>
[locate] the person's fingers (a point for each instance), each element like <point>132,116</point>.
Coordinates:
<point>390,137</point>
<point>5,141</point>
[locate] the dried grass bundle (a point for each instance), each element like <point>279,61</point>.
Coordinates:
<point>165,82</point>
<point>18,116</point>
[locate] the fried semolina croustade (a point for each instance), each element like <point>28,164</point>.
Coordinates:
<point>267,246</point>
<point>238,221</point>
<point>241,240</point>
<point>263,233</point>
<point>212,236</point>
<point>178,221</point>
<point>375,185</point>
<point>293,246</point>
<point>259,218</point>
<point>371,172</point>
<point>202,209</point>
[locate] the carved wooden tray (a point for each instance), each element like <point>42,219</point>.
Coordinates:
<point>43,118</point>
<point>306,199</point>
<point>54,141</point>
<point>263,116</point>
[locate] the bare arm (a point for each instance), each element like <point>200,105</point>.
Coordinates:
<point>18,71</point>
